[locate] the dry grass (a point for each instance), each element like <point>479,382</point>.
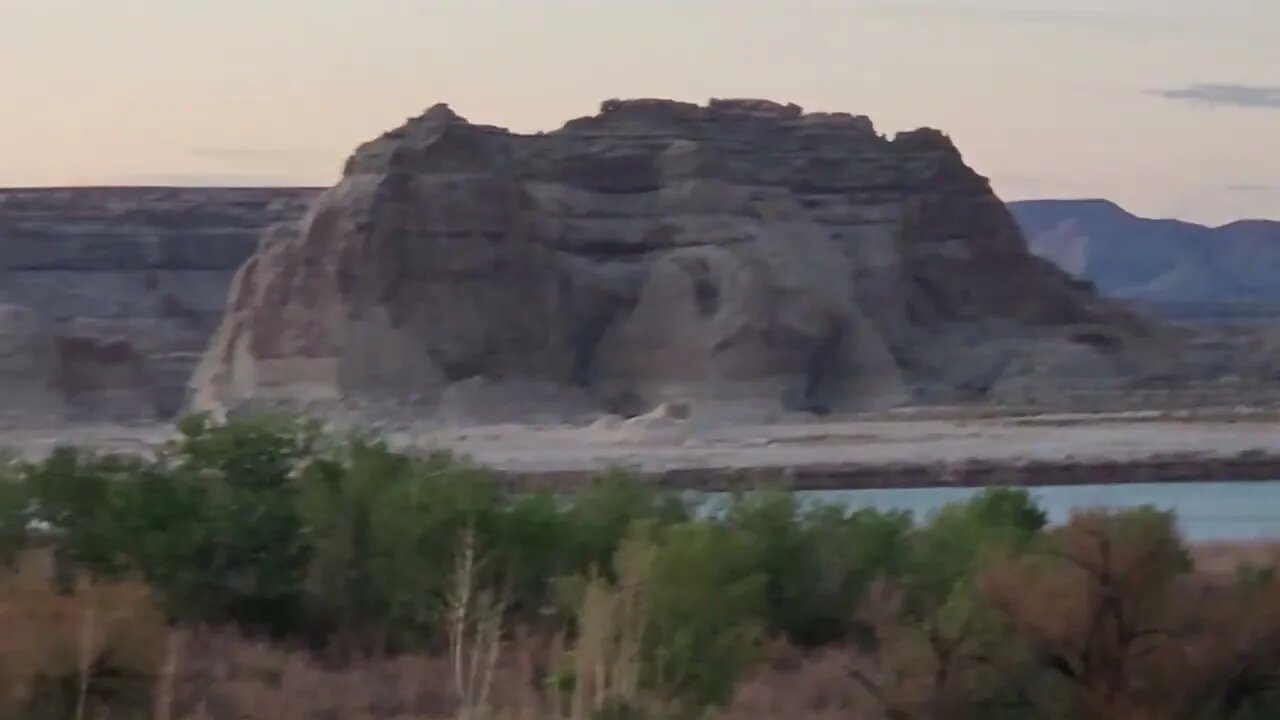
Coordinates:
<point>222,676</point>
<point>795,684</point>
<point>76,652</point>
<point>611,624</point>
<point>95,651</point>
<point>1226,557</point>
<point>231,678</point>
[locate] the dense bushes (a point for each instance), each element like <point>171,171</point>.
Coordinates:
<point>980,611</point>
<point>277,528</point>
<point>212,522</point>
<point>273,526</point>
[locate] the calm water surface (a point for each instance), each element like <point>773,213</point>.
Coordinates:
<point>1205,511</point>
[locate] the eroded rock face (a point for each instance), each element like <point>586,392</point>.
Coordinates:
<point>28,369</point>
<point>742,254</point>
<point>125,285</point>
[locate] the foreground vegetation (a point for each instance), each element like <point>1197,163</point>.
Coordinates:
<point>264,570</point>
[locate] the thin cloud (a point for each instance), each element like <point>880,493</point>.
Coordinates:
<point>213,180</point>
<point>1109,14</point>
<point>1266,97</point>
<point>1252,189</point>
<point>240,154</point>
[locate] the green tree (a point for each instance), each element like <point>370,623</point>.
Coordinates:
<point>817,561</point>
<point>77,495</point>
<point>949,548</point>
<point>706,614</point>
<point>415,519</point>
<point>939,647</point>
<point>600,517</point>
<point>338,497</point>
<point>541,536</point>
<point>14,510</point>
<point>1099,609</point>
<point>211,521</point>
<point>250,531</point>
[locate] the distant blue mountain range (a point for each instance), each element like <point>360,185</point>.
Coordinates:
<point>1155,261</point>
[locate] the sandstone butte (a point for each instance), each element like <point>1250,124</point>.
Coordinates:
<point>742,257</point>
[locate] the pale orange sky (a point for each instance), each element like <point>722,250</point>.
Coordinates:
<point>1170,107</point>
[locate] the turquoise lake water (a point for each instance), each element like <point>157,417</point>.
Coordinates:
<point>1205,511</point>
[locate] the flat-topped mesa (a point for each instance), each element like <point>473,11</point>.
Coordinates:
<point>650,110</point>
<point>739,253</point>
<point>650,116</point>
<point>839,121</point>
<point>755,108</point>
<point>655,113</point>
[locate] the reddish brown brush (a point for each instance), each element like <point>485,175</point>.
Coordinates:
<point>77,651</point>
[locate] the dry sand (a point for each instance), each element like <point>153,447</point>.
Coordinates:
<point>661,444</point>
<point>526,449</point>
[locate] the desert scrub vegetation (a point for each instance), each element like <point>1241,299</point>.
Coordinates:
<point>263,569</point>
<point>89,649</point>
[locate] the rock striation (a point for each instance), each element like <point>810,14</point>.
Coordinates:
<point>743,255</point>
<point>108,295</point>
<point>28,379</point>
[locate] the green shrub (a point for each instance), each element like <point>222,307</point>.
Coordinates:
<point>977,612</point>
<point>338,500</point>
<point>211,522</point>
<point>949,549</point>
<point>79,495</point>
<point>674,624</point>
<point>269,524</point>
<point>14,510</point>
<point>540,537</point>
<point>249,527</point>
<point>706,614</point>
<point>600,517</point>
<point>530,544</point>
<point>384,527</point>
<point>817,561</point>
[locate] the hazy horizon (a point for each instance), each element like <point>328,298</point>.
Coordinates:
<point>1166,108</point>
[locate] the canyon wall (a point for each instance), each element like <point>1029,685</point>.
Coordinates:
<point>108,295</point>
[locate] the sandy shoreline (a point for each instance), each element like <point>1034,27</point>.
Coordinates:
<point>1163,469</point>
<point>852,455</point>
<point>677,446</point>
<point>826,455</point>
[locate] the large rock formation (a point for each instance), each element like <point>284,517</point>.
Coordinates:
<point>110,294</point>
<point>742,254</point>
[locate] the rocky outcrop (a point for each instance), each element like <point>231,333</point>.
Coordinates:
<point>740,255</point>
<point>28,369</point>
<point>111,294</point>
